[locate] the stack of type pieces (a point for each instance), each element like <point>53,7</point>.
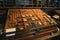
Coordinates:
<point>27,23</point>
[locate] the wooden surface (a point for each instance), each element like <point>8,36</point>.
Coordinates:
<point>24,18</point>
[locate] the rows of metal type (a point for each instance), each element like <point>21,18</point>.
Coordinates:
<point>27,22</point>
